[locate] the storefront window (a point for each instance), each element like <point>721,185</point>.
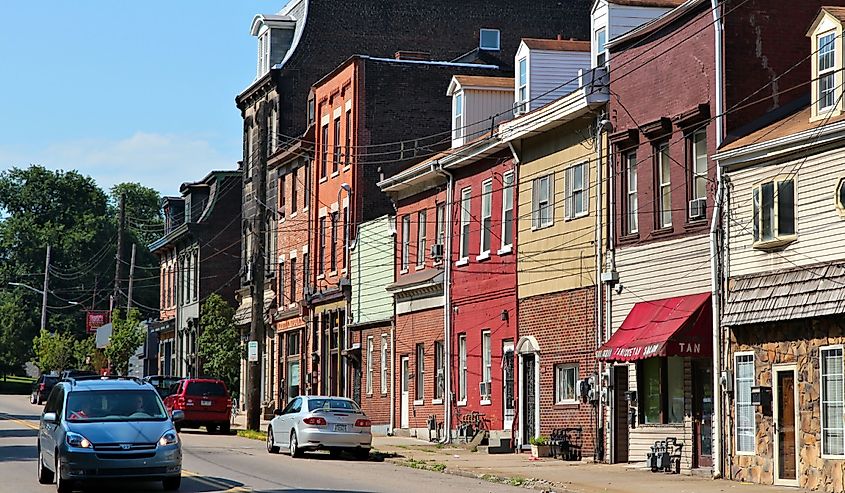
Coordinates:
<point>675,389</point>
<point>662,390</point>
<point>651,390</point>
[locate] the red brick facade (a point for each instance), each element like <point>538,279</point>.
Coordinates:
<point>423,327</point>
<point>375,396</point>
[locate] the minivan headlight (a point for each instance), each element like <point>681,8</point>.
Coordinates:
<point>169,438</point>
<point>77,440</point>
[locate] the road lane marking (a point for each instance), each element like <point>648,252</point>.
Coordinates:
<point>18,421</point>
<point>215,483</point>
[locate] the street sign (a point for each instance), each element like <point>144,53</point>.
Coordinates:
<point>252,351</point>
<point>95,319</point>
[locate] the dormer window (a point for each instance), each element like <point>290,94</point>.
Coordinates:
<point>601,47</point>
<point>263,53</point>
<point>489,39</point>
<point>826,70</point>
<point>522,90</point>
<point>458,125</point>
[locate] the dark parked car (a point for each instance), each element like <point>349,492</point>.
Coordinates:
<point>204,401</point>
<point>164,384</point>
<point>41,388</point>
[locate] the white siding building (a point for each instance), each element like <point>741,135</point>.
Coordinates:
<point>546,70</point>
<point>613,18</point>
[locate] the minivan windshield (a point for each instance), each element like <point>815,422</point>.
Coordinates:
<point>114,405</point>
<point>332,404</point>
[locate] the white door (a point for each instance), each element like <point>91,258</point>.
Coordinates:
<point>404,421</point>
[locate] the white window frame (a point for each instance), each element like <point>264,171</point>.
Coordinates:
<point>522,85</point>
<point>383,367</point>
<point>369,365</point>
<point>466,217</point>
<point>440,223</point>
<point>699,164</point>
<point>601,47</point>
<point>822,376</point>
<point>757,213</point>
<point>422,219</point>
<point>419,373</point>
<point>439,372</point>
<point>828,73</point>
<point>560,370</point>
<point>542,206</point>
<point>458,116</point>
<point>507,207</point>
<point>486,236</point>
<point>406,242</point>
<point>664,185</point>
<point>737,403</point>
<point>487,364</point>
<point>462,369</point>
<point>498,45</point>
<point>573,192</point>
<point>632,202</point>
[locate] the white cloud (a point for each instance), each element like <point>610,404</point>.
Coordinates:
<point>160,161</point>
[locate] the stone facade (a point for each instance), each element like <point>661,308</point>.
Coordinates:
<point>795,343</point>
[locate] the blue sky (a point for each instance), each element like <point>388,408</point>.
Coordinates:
<point>125,91</point>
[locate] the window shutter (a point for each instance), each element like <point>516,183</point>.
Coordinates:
<point>535,203</point>
<point>587,187</point>
<point>568,189</point>
<point>551,209</point>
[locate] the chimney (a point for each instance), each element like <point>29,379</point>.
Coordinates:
<point>559,37</point>
<point>424,56</point>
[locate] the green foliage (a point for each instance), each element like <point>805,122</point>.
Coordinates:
<point>14,317</point>
<point>143,210</point>
<point>219,342</point>
<point>54,351</point>
<point>539,440</point>
<point>87,356</point>
<point>127,336</point>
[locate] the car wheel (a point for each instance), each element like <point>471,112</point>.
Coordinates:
<point>271,444</point>
<point>45,476</point>
<point>62,485</point>
<point>334,453</point>
<point>226,428</point>
<point>172,484</point>
<point>39,399</point>
<point>294,445</point>
<point>361,453</point>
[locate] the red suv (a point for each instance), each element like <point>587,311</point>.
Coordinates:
<point>204,401</point>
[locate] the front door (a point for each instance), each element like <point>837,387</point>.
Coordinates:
<point>529,421</point>
<point>404,404</point>
<point>620,415</point>
<point>507,385</point>
<point>785,421</point>
<point>703,411</point>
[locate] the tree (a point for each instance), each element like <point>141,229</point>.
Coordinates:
<point>87,356</point>
<point>14,349</point>
<point>143,210</point>
<point>219,343</point>
<point>126,337</point>
<point>53,351</point>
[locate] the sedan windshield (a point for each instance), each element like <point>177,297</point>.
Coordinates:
<point>332,404</point>
<point>114,405</point>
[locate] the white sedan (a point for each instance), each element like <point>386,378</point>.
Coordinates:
<point>320,423</point>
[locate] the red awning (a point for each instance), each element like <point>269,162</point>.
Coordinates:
<point>680,326</point>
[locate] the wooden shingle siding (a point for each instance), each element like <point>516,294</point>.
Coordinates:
<point>817,221</point>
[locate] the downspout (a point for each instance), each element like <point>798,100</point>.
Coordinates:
<point>715,277</point>
<point>601,124</point>
<point>447,304</point>
<point>608,308</point>
<point>393,379</point>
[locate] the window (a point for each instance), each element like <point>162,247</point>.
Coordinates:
<point>826,65</point>
<point>601,49</point>
<point>280,293</point>
<point>421,227</point>
<point>745,424</point>
<point>439,370</point>
<point>312,105</point>
<point>282,193</point>
<point>832,401</point>
<point>486,365</point>
<point>541,209</point>
<point>458,125</point>
<point>522,90</point>
<point>307,191</point>
<point>631,192</point>
<point>462,368</point>
<point>577,192</point>
<point>348,144</point>
<point>507,209</point>
<point>306,271</point>
<point>662,393</point>
<point>383,367</point>
<point>840,196</point>
<point>406,241</point>
<point>466,196</point>
<point>440,220</point>
<point>420,367</point>
<point>292,283</point>
<point>344,230</point>
<point>699,165</point>
<point>566,379</point>
<point>489,39</point>
<point>333,251</point>
<point>774,212</point>
<point>369,365</point>
<point>337,147</point>
<point>321,248</point>
<point>324,154</point>
<point>486,215</point>
<point>294,185</point>
<point>664,183</point>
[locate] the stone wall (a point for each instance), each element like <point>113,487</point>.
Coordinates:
<point>788,343</point>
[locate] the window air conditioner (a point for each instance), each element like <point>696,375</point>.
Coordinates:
<point>484,389</point>
<point>697,209</point>
<point>437,251</point>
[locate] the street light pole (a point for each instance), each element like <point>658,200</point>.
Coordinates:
<point>44,292</point>
<point>43,300</point>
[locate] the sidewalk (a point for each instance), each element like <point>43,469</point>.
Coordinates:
<point>546,474</point>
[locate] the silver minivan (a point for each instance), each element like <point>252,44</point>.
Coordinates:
<point>98,428</point>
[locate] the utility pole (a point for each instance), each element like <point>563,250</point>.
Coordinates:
<point>121,225</point>
<point>46,288</point>
<point>131,278</point>
<point>256,326</point>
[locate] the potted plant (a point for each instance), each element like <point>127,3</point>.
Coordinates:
<point>540,446</point>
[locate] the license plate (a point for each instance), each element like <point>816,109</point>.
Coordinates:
<point>205,403</point>
<point>339,427</point>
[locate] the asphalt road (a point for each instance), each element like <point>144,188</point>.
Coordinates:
<point>230,464</point>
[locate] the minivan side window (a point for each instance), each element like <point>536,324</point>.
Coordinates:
<point>60,401</point>
<point>50,407</point>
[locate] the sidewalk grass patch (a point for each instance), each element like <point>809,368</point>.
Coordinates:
<point>252,434</point>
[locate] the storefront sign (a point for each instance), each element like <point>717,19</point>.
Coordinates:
<point>95,320</point>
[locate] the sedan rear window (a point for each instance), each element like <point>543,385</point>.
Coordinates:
<point>114,405</point>
<point>332,404</point>
<point>213,389</point>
